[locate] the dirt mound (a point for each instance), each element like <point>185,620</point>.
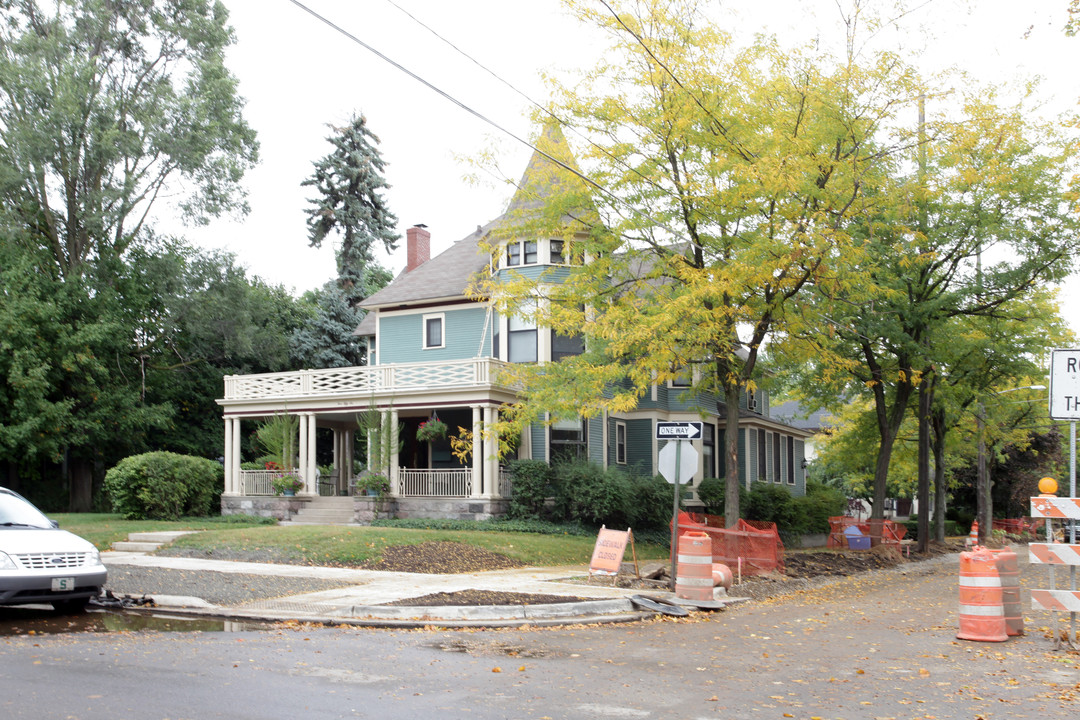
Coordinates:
<point>440,558</point>
<point>484,597</point>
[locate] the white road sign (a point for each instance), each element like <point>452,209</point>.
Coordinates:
<point>678,430</point>
<point>1065,384</point>
<point>687,457</point>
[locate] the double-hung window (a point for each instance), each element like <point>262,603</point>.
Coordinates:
<point>433,331</point>
<point>620,442</point>
<point>521,252</point>
<point>521,343</point>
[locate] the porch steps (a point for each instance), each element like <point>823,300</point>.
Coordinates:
<point>325,511</point>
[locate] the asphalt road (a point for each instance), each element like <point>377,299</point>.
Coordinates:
<point>880,645</point>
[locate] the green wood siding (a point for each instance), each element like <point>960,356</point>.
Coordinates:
<point>594,429</point>
<point>639,443</point>
<point>401,336</point>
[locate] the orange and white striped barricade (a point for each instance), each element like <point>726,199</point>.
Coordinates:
<point>1056,554</point>
<point>1010,590</point>
<point>973,536</point>
<point>982,615</point>
<point>694,579</point>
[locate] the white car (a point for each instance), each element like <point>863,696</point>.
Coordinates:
<point>40,563</point>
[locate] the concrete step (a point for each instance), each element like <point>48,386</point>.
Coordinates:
<point>143,547</point>
<point>145,542</point>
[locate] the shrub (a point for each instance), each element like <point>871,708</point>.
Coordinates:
<point>587,493</point>
<point>649,503</point>
<point>819,504</point>
<point>712,494</point>
<point>773,503</point>
<point>531,482</point>
<point>163,486</point>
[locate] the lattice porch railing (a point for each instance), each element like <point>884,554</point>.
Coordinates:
<point>362,380</point>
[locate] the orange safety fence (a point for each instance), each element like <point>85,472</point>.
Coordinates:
<point>1022,526</point>
<point>892,532</point>
<point>757,544</point>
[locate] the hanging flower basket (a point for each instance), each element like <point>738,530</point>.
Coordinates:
<point>431,430</point>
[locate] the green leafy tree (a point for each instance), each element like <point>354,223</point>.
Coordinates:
<point>995,182</point>
<point>350,184</point>
<point>105,107</point>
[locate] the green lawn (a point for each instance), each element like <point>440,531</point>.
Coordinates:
<point>104,529</point>
<point>341,546</point>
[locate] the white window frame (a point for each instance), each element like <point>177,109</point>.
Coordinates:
<point>620,442</point>
<point>441,317</point>
<point>521,246</point>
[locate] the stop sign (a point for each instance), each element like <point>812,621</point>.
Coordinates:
<point>687,457</point>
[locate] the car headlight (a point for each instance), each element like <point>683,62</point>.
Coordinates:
<point>7,563</point>
<point>93,557</point>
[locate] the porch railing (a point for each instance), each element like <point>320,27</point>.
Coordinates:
<point>258,482</point>
<point>434,483</point>
<point>362,380</point>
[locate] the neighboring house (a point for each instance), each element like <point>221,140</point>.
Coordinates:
<point>434,351</point>
<point>816,422</point>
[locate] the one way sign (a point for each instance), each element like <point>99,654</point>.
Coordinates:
<point>678,430</point>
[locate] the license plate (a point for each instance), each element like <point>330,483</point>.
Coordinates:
<point>63,584</point>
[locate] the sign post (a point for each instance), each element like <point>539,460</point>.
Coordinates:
<point>677,463</point>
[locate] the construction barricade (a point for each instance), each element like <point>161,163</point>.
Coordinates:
<point>750,548</point>
<point>1056,554</point>
<point>982,615</point>
<point>693,575</point>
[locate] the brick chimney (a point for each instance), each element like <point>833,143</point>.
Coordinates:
<point>418,246</point>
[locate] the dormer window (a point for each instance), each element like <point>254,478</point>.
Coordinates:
<point>521,252</point>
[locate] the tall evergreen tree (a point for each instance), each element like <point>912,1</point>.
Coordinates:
<point>349,182</point>
<point>327,340</point>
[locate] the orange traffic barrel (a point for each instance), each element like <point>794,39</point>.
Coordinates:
<point>693,577</point>
<point>721,576</point>
<point>982,616</point>
<point>973,536</point>
<point>1009,572</point>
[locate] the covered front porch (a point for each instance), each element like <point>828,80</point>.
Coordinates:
<point>463,394</point>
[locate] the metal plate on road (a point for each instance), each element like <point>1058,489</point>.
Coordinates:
<point>678,430</point>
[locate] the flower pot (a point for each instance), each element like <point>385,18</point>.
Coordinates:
<point>288,493</point>
<point>372,493</point>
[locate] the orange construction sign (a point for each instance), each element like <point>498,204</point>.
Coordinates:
<point>609,550</point>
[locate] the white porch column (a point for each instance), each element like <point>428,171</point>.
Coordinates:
<point>228,468</point>
<point>302,460</point>
<point>350,442</point>
<point>310,486</point>
<point>478,452</point>
<point>491,453</point>
<point>395,460</point>
<point>236,447</point>
<point>338,452</point>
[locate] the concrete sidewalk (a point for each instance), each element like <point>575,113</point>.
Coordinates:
<point>362,601</point>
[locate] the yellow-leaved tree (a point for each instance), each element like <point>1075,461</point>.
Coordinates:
<point>718,183</point>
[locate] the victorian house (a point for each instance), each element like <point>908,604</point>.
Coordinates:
<point>434,352</point>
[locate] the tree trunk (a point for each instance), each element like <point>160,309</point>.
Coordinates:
<point>731,445</point>
<point>926,395</point>
<point>937,422</point>
<point>81,485</point>
<point>888,427</point>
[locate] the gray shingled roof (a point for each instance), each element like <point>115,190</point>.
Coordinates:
<point>443,277</point>
<point>796,415</point>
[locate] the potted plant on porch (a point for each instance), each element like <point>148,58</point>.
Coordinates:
<point>370,482</point>
<point>287,484</point>
<point>431,430</point>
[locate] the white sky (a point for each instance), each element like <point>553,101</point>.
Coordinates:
<point>298,75</point>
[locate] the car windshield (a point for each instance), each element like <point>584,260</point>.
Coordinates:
<point>16,512</point>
